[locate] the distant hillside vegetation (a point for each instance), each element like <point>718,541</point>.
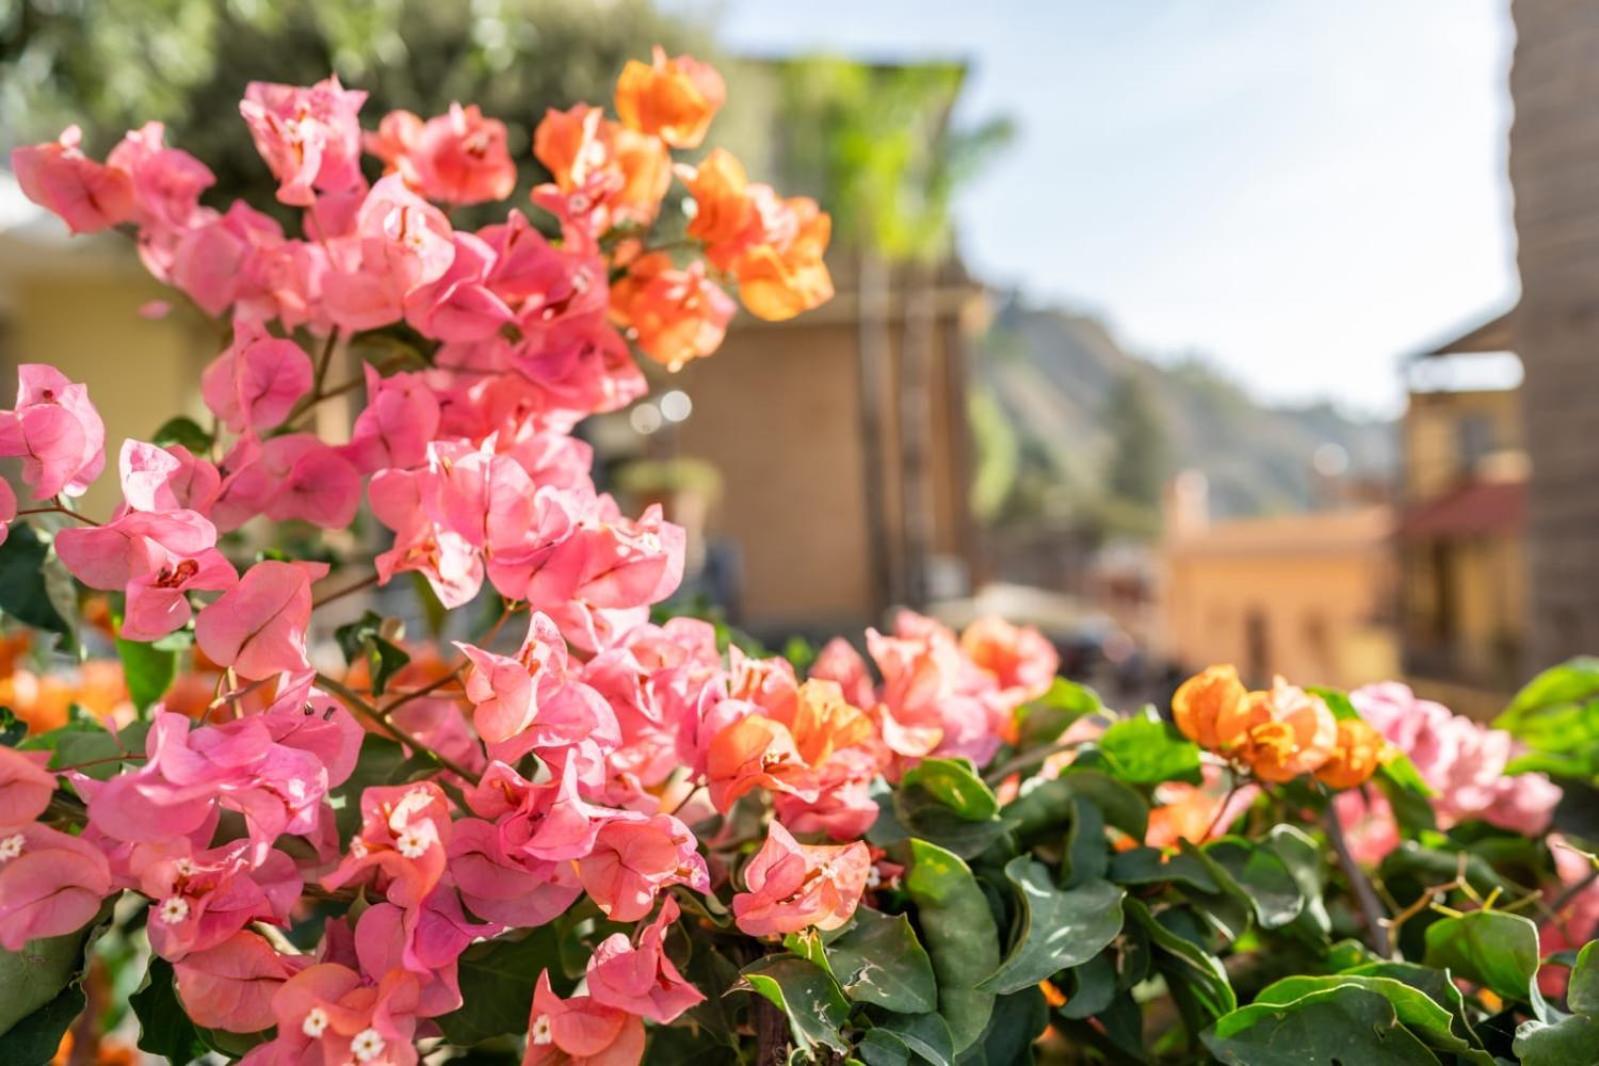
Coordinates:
<point>1051,389</point>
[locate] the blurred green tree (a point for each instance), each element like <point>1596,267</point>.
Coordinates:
<point>110,65</point>
<point>1139,456</point>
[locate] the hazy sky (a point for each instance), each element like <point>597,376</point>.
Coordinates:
<point>1302,191</point>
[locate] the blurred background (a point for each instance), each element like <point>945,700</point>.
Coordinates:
<point>1189,333</point>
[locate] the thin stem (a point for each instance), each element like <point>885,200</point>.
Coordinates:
<point>57,508</point>
<point>364,583</point>
<point>1359,883</point>
<point>99,762</point>
<point>376,717</point>
<point>1234,784</point>
<point>326,361</point>
<point>416,694</point>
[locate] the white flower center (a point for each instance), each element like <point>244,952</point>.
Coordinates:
<point>542,1032</point>
<point>412,843</point>
<point>12,846</point>
<point>367,1045</point>
<point>174,910</point>
<point>874,877</point>
<point>357,848</point>
<point>316,1022</point>
<point>184,867</point>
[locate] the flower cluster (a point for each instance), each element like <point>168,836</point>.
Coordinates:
<point>567,768</point>
<point>1277,734</point>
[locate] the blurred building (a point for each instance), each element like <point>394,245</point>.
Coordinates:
<point>1554,156</point>
<point>1462,530</point>
<point>1308,596</point>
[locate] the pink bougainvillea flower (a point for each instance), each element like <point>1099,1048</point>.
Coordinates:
<point>639,978</point>
<point>109,556</point>
<point>633,861</point>
<point>839,661</point>
<point>505,691</point>
<point>294,476</point>
<point>549,821</point>
<point>330,1013</point>
<point>1195,813</point>
<point>844,807</point>
<point>157,600</point>
<point>8,509</point>
<point>258,627</point>
<point>51,883</point>
<point>792,886</point>
<point>404,837</point>
<point>393,430</point>
<point>87,195</point>
<point>25,785</point>
<point>202,899</point>
<point>459,305</point>
<point>167,182</point>
<point>458,158</point>
<point>503,884</point>
<point>579,1031</point>
<point>309,137</point>
<point>214,259</point>
<point>167,478</point>
<point>425,942</point>
<point>755,752</point>
<point>230,986</point>
<point>55,430</point>
<point>257,381</point>
<point>1019,658</point>
<point>614,562</point>
<point>399,243</point>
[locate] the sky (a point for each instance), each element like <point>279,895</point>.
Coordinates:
<point>1298,192</point>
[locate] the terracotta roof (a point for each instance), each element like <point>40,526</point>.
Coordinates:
<point>1475,509</point>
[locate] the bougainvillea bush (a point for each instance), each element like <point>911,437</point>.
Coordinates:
<point>570,827</point>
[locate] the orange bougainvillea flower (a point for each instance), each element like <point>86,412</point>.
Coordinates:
<point>824,722</point>
<point>1211,710</point>
<point>675,315</point>
<point>785,275</point>
<point>724,214</point>
<point>1357,752</point>
<point>673,99</point>
<point>1296,738</point>
<point>755,752</point>
<point>613,172</point>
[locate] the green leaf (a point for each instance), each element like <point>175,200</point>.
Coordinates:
<point>1146,866</point>
<point>1337,701</point>
<point>1255,875</point>
<point>956,785</point>
<point>1041,722</point>
<point>1574,681</point>
<point>1197,978</point>
<point>1090,987</point>
<point>41,992</point>
<point>185,431</point>
<point>28,570</point>
<point>164,1026</point>
<point>1055,930</point>
<point>1496,950</point>
<point>149,671</point>
<point>1419,1013</point>
<point>906,1038</point>
<point>84,740</point>
<point>815,1007</point>
<point>961,937</point>
<point>12,728</point>
<point>497,980</point>
<point>365,636</point>
<point>879,960</point>
<point>1043,808</point>
<point>1087,855</point>
<point>1341,1026</point>
<point>1572,1041</point>
<point>1018,1020</point>
<point>1145,751</point>
<point>1437,985</point>
<point>1303,860</point>
<point>1582,987</point>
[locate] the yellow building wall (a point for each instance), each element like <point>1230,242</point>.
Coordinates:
<point>1431,441</point>
<point>1317,612</point>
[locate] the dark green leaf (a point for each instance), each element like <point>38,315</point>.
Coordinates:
<point>1257,876</point>
<point>41,992</point>
<point>1055,930</point>
<point>879,960</point>
<point>365,637</point>
<point>1090,987</point>
<point>1018,1020</point>
<point>961,937</point>
<point>497,980</point>
<point>1043,809</point>
<point>1572,1041</point>
<point>28,569</point>
<point>1417,1011</point>
<point>1496,950</point>
<point>956,785</point>
<point>185,431</point>
<point>86,741</point>
<point>1146,866</point>
<point>148,669</point>
<point>1146,751</point>
<point>12,728</point>
<point>1041,722</point>
<point>811,1000</point>
<point>1303,859</point>
<point>906,1038</point>
<point>1197,978</point>
<point>1398,779</point>
<point>1087,851</point>
<point>1342,1026</point>
<point>164,1026</point>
